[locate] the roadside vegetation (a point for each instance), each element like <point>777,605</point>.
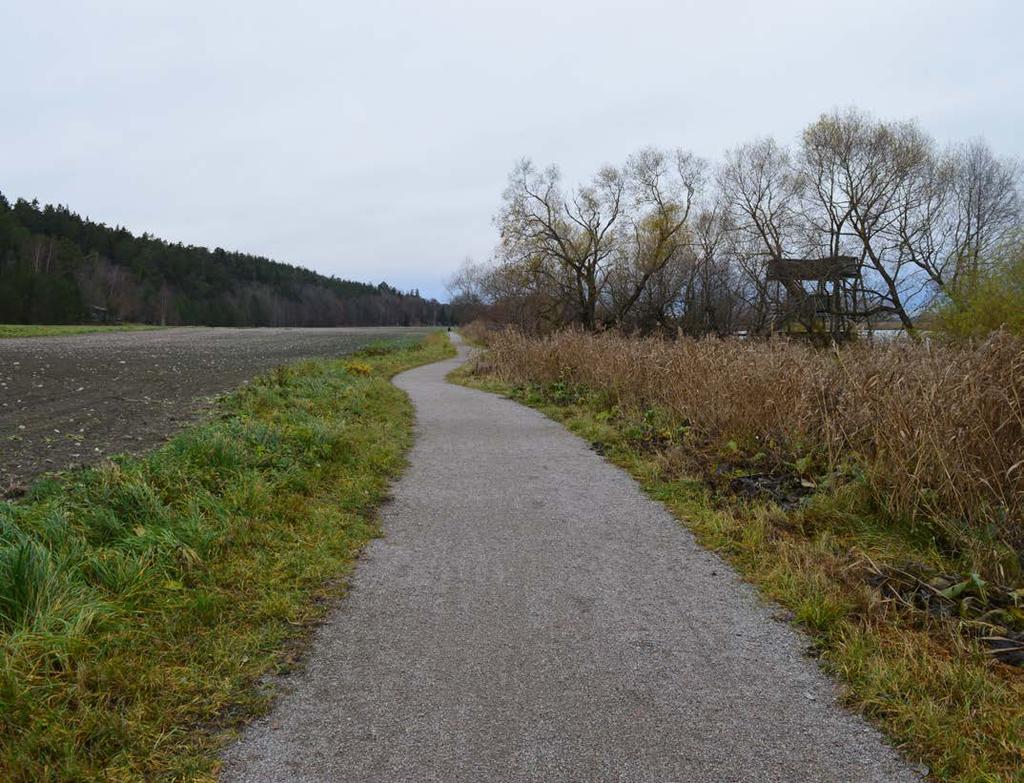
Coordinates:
<point>875,491</point>
<point>58,267</point>
<point>62,330</point>
<point>142,601</point>
<point>711,327</point>
<point>860,222</point>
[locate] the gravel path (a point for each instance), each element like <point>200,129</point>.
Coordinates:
<point>68,401</point>
<point>532,616</point>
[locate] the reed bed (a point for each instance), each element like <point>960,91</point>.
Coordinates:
<point>934,431</point>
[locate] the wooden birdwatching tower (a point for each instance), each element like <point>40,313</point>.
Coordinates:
<point>823,295</point>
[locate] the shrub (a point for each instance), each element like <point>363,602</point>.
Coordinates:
<point>985,303</point>
<point>358,368</point>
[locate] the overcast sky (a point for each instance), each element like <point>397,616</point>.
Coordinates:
<point>372,139</point>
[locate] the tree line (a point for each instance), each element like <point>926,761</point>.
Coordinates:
<point>670,241</point>
<point>57,267</point>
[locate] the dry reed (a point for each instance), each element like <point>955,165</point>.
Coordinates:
<point>477,331</point>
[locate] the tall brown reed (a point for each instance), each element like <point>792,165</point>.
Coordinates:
<point>938,429</point>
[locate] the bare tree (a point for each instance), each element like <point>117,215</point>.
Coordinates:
<point>872,170</point>
<point>466,291</point>
<point>164,303</point>
<point>648,247</point>
<point>986,205</point>
<point>565,239</point>
<point>761,191</point>
<point>716,293</point>
<point>663,187</point>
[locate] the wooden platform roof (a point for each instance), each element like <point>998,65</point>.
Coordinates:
<point>828,268</point>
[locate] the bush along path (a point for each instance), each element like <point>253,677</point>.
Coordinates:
<point>142,601</point>
<point>530,615</point>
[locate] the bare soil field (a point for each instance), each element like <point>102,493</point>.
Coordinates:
<point>68,401</point>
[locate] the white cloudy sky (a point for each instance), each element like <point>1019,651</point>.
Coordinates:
<point>372,139</point>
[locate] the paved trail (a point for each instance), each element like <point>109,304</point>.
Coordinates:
<point>532,616</point>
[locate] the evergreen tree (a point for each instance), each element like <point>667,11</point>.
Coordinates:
<point>55,266</point>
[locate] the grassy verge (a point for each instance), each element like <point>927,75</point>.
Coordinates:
<point>930,687</point>
<point>142,601</point>
<point>61,330</point>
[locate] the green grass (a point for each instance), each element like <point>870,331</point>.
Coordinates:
<point>932,690</point>
<point>61,330</point>
<point>141,602</point>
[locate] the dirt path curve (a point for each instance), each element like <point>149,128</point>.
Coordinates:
<point>532,616</point>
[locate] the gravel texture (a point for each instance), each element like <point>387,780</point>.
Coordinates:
<point>531,615</point>
<point>67,401</point>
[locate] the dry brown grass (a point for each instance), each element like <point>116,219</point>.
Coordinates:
<point>478,332</point>
<point>936,430</point>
